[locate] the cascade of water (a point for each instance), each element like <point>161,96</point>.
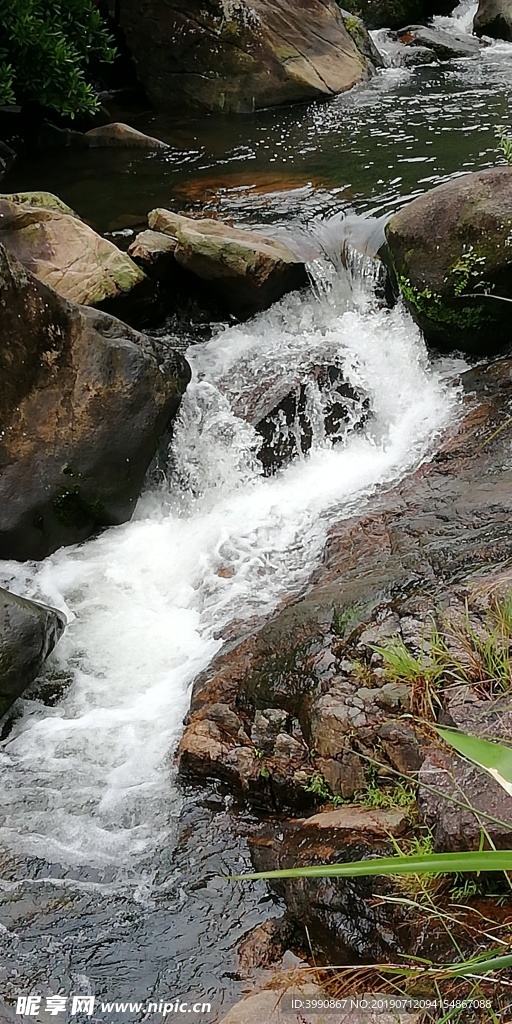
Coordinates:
<point>87,780</point>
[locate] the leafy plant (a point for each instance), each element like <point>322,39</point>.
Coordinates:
<point>505,144</point>
<point>400,795</point>
<point>46,51</point>
<point>318,785</point>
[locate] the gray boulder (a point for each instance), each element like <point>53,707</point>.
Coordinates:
<point>446,45</point>
<point>28,634</point>
<point>494,18</point>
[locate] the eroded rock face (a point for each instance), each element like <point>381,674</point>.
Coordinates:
<point>28,634</point>
<point>450,245</point>
<point>51,241</point>
<point>240,55</point>
<point>83,403</point>
<point>243,270</point>
<point>494,18</point>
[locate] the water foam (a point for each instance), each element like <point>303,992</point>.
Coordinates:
<point>90,780</point>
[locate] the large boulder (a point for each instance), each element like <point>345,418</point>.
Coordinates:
<point>28,634</point>
<point>243,270</point>
<point>240,56</point>
<point>494,18</point>
<point>54,244</point>
<point>451,251</point>
<point>84,401</point>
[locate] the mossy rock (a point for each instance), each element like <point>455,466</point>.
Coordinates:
<point>451,254</point>
<point>43,200</point>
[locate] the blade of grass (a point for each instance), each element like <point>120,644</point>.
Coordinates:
<point>473,861</point>
<point>494,758</point>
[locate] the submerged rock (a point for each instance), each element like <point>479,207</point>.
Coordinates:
<point>84,400</point>
<point>28,634</point>
<point>243,270</point>
<point>411,57</point>
<point>494,18</point>
<point>322,402</point>
<point>451,250</point>
<point>121,136</point>
<point>345,909</point>
<point>446,45</point>
<point>53,243</point>
<point>239,57</point>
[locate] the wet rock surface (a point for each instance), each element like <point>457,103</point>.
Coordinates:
<point>84,401</point>
<point>28,634</point>
<point>240,57</point>
<point>448,248</point>
<point>494,18</point>
<point>314,704</point>
<point>456,781</point>
<point>322,402</point>
<point>314,664</point>
<point>445,45</point>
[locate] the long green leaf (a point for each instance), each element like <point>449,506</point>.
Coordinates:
<point>432,863</point>
<point>495,758</point>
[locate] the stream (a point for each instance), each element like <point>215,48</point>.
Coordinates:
<point>111,873</point>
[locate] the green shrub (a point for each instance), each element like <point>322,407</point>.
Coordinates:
<point>45,53</point>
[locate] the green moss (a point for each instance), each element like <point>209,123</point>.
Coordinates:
<point>435,307</point>
<point>356,31</point>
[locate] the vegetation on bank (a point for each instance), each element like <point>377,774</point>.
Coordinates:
<point>46,53</point>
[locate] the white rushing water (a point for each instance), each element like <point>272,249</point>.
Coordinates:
<point>90,780</point>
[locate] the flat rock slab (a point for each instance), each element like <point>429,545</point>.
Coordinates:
<point>53,243</point>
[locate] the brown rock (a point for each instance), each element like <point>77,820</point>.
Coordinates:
<point>53,243</point>
<point>240,57</point>
<point>121,135</point>
<point>245,271</point>
<point>154,252</point>
<point>346,777</point>
<point>454,827</point>
<point>84,401</point>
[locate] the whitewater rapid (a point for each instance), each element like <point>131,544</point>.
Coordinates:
<point>89,779</point>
